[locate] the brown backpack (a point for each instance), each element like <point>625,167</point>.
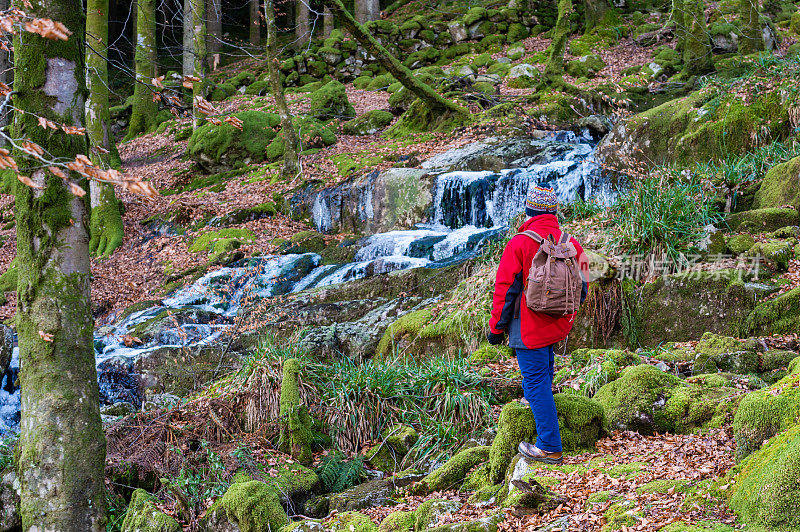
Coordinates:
<point>554,281</point>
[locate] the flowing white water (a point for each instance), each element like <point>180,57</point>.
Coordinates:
<point>468,209</point>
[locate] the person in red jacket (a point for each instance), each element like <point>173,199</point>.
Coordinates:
<point>532,334</point>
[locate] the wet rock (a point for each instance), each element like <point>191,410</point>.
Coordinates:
<point>366,495</point>
<point>9,502</point>
<point>6,348</point>
<point>597,125</point>
<point>181,370</point>
<point>117,382</point>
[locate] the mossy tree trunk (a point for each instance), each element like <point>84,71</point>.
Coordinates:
<point>679,18</point>
<point>595,10</point>
<point>366,10</point>
<point>291,164</point>
<point>697,55</point>
<point>555,62</point>
<point>751,40</point>
<point>6,72</point>
<point>327,23</point>
<point>61,449</point>
<point>106,229</point>
<point>432,99</point>
<point>255,23</point>
<point>200,63</point>
<point>302,23</point>
<point>295,422</point>
<point>145,109</point>
<point>214,32</point>
<point>188,39</point>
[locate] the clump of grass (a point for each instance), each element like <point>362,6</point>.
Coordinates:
<point>581,209</point>
<point>663,214</point>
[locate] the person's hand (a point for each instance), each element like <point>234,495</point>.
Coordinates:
<point>494,338</point>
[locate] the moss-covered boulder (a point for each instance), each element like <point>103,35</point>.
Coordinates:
<point>427,514</point>
<point>330,101</point>
<point>351,522</point>
<point>489,354</point>
<point>764,413</point>
<point>682,307</point>
<point>780,187</point>
<point>396,441</point>
<point>367,495</point>
<point>249,507</point>
<point>596,367</point>
<point>766,494</point>
<point>721,353</point>
<point>219,148</point>
<point>776,253</point>
<point>144,516</point>
<point>523,76</point>
<point>780,315</point>
<point>452,472</point>
<point>399,521</point>
<point>368,123</point>
<point>738,244</point>
<point>580,420</point>
<point>763,220</point>
<point>295,421</point>
<point>521,488</point>
<point>305,242</point>
<point>586,66</point>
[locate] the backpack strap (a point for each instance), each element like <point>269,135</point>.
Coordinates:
<point>533,235</point>
<point>565,237</point>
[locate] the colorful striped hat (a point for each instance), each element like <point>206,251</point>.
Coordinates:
<point>541,200</point>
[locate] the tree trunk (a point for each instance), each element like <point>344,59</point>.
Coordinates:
<point>106,227</point>
<point>697,57</point>
<point>360,10</point>
<point>751,40</point>
<point>255,23</point>
<point>372,9</point>
<point>144,111</point>
<point>291,165</point>
<point>6,75</point>
<point>555,63</point>
<point>199,45</point>
<point>679,17</point>
<point>432,99</point>
<point>188,38</point>
<point>214,32</point>
<point>61,449</point>
<point>327,23</point>
<point>595,10</point>
<point>302,25</point>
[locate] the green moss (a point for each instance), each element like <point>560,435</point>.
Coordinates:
<point>352,522</point>
<point>144,516</point>
<point>477,479</point>
<point>627,470</point>
<point>701,526</point>
<point>474,15</point>
<point>331,101</point>
<point>489,354</point>
<point>206,241</point>
<point>664,486</point>
<point>397,440</point>
<point>453,471</point>
<point>630,402</point>
<point>368,123</point>
<point>580,421</point>
<point>517,32</point>
<point>777,254</point>
<point>620,515</point>
<point>428,512</point>
<point>738,244</point>
<point>211,142</point>
<point>586,66</point>
<point>767,489</point>
<point>722,353</point>
<point>599,497</point>
<point>780,315</point>
<point>222,91</point>
<point>258,88</point>
<point>764,413</point>
<point>780,187</point>
<point>252,506</point>
<point>419,119</point>
<point>295,422</point>
<point>399,521</point>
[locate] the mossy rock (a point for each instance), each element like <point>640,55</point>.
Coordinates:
<point>682,307</point>
<point>517,32</point>
<point>489,354</point>
<point>721,353</point>
<point>207,241</point>
<point>419,119</point>
<point>399,521</point>
<point>580,421</point>
<point>368,123</point>
<point>427,514</point>
<point>312,133</point>
<point>330,101</point>
<point>587,66</point>
<point>738,244</point>
<point>397,441</point>
<point>763,220</point>
<point>780,315</point>
<point>367,495</point>
<point>258,88</point>
<point>764,413</point>
<point>362,81</point>
<point>144,516</point>
<point>777,254</point>
<point>245,214</point>
<point>351,522</point>
<point>224,147</point>
<point>780,187</point>
<point>243,79</point>
<point>453,471</point>
<point>223,91</point>
<point>766,494</point>
<point>305,242</point>
<point>251,506</point>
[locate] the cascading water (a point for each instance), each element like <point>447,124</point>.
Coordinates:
<point>467,210</point>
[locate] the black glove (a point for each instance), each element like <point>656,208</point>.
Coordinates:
<point>494,338</point>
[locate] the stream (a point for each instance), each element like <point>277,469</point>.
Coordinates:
<point>468,209</point>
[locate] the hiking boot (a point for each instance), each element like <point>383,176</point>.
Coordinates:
<point>532,452</point>
<point>524,402</point>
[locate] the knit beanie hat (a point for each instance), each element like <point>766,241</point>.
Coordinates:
<point>540,200</point>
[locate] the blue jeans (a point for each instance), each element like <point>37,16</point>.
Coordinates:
<point>536,366</point>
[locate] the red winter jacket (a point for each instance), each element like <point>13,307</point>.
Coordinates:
<point>527,329</point>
